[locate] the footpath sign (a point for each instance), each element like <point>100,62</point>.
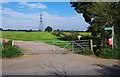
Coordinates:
<point>111,41</point>
<point>109,28</point>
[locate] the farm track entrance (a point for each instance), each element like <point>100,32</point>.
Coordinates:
<point>42,63</point>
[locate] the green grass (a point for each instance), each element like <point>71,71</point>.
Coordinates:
<point>63,44</point>
<point>82,33</point>
<point>0,49</point>
<point>11,51</point>
<point>53,40</point>
<point>85,33</point>
<point>34,36</point>
<point>7,50</point>
<point>39,36</point>
<point>30,36</point>
<point>0,44</point>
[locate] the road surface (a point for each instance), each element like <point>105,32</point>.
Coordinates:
<point>42,59</point>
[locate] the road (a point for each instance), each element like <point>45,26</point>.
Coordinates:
<point>42,59</point>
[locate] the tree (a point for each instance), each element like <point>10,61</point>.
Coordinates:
<point>102,13</point>
<point>49,29</point>
<point>1,29</point>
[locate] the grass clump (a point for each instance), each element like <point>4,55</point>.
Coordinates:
<point>9,51</point>
<point>109,53</point>
<point>12,51</point>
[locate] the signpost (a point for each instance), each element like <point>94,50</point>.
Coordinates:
<point>112,37</point>
<point>111,28</point>
<point>79,37</point>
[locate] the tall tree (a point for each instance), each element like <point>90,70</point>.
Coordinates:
<point>104,13</point>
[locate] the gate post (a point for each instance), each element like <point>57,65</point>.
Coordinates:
<point>73,46</point>
<point>91,45</point>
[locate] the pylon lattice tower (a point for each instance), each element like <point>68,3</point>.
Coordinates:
<point>41,22</point>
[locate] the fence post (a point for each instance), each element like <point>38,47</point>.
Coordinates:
<point>91,45</point>
<point>13,43</point>
<point>54,43</point>
<point>72,46</point>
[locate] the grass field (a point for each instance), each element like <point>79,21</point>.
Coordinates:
<point>32,36</point>
<point>53,40</point>
<point>29,36</point>
<point>85,33</point>
<point>39,36</point>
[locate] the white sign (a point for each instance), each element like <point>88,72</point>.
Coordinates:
<point>79,37</point>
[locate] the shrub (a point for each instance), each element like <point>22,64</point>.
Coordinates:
<point>57,33</point>
<point>66,36</point>
<point>8,50</point>
<point>69,36</point>
<point>7,44</point>
<point>87,52</point>
<point>84,52</point>
<point>109,53</point>
<point>86,37</point>
<point>97,40</point>
<point>11,51</point>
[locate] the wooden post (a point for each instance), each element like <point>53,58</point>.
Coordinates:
<point>91,45</point>
<point>112,37</point>
<point>13,43</point>
<point>72,46</point>
<point>54,47</point>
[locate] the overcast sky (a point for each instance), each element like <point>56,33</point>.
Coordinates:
<point>26,15</point>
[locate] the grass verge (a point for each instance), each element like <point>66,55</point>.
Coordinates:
<point>9,51</point>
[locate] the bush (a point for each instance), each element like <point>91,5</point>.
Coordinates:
<point>69,36</point>
<point>66,36</point>
<point>97,41</point>
<point>57,33</point>
<point>8,50</point>
<point>12,51</point>
<point>109,53</point>
<point>7,44</point>
<point>84,52</point>
<point>86,37</point>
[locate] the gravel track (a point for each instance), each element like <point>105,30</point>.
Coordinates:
<point>42,59</point>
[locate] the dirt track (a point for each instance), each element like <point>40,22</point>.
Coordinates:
<point>43,59</point>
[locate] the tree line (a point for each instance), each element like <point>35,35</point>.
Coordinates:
<point>48,29</point>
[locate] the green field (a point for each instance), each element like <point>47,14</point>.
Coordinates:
<point>29,36</point>
<point>38,36</point>
<point>49,38</point>
<point>85,33</point>
<point>34,36</point>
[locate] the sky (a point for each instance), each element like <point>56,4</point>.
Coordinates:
<point>26,15</point>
